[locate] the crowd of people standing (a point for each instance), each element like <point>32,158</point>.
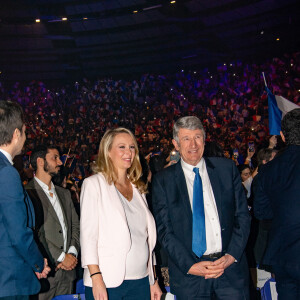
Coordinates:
<point>230,101</point>
<point>145,127</point>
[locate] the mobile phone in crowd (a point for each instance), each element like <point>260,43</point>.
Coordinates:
<point>235,153</point>
<point>174,155</point>
<point>251,146</point>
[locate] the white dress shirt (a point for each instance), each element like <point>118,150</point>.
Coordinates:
<point>7,155</point>
<point>212,223</point>
<point>53,198</point>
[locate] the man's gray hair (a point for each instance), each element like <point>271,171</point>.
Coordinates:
<point>190,122</point>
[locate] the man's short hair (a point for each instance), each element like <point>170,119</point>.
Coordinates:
<point>290,127</point>
<point>39,152</point>
<point>11,118</point>
<point>190,122</point>
<point>264,154</point>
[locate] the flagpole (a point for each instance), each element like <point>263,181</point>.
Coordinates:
<point>71,162</point>
<point>263,74</point>
<point>67,157</point>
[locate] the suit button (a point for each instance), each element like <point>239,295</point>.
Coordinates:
<point>60,231</point>
<point>61,247</point>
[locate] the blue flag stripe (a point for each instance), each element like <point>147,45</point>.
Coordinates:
<point>274,114</point>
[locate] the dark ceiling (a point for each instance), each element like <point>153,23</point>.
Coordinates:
<point>106,38</point>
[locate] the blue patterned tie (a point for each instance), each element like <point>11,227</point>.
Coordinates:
<point>199,237</point>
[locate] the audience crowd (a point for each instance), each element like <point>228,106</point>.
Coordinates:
<point>230,101</point>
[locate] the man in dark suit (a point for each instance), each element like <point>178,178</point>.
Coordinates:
<point>21,263</point>
<point>57,229</point>
<point>202,220</point>
<point>277,197</point>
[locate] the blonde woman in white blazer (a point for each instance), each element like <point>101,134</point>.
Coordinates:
<point>117,230</point>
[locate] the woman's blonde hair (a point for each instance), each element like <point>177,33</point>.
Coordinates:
<point>105,165</point>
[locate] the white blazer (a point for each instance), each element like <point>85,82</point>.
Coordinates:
<point>104,233</point>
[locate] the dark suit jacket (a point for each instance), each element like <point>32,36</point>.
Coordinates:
<point>19,254</point>
<point>173,215</point>
<point>48,231</point>
<point>277,197</point>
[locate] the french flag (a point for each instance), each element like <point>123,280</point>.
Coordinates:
<point>278,106</point>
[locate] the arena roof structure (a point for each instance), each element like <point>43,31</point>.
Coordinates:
<point>70,39</point>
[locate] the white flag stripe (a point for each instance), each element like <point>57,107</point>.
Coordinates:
<point>285,105</point>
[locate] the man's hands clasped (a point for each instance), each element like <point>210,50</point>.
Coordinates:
<point>212,269</point>
<point>68,264</point>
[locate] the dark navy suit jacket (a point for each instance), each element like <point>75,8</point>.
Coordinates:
<point>19,254</point>
<point>173,215</point>
<point>277,197</point>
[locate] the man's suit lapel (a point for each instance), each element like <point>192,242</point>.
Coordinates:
<point>215,184</point>
<point>48,208</point>
<point>181,184</point>
<point>61,198</point>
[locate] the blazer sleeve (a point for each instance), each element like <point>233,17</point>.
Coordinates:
<point>176,250</point>
<point>15,219</point>
<point>89,226</point>
<point>74,223</point>
<point>242,218</point>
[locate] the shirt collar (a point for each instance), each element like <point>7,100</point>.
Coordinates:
<point>189,168</point>
<point>7,155</point>
<point>44,186</point>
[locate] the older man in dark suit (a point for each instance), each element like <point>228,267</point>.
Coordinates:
<point>202,220</point>
<point>21,263</point>
<point>277,198</point>
<point>57,227</point>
